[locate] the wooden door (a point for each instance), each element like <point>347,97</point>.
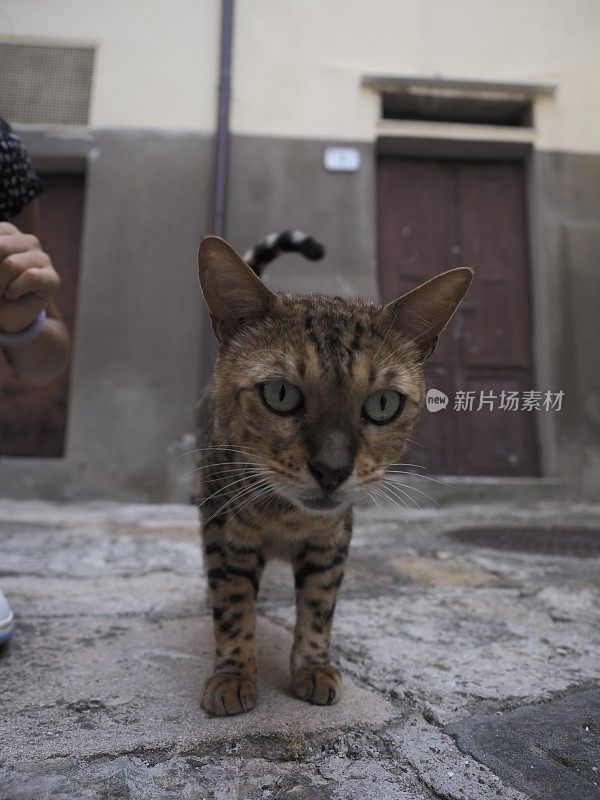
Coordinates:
<point>434,215</point>
<point>33,419</point>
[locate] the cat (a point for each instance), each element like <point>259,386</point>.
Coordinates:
<point>313,398</point>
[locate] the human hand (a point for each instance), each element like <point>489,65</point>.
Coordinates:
<point>28,281</point>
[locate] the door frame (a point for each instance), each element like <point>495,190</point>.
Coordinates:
<point>539,290</point>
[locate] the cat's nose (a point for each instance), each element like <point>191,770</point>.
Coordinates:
<point>328,476</point>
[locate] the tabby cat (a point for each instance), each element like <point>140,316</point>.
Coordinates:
<point>313,398</point>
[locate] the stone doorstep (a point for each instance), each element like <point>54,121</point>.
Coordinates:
<point>86,687</point>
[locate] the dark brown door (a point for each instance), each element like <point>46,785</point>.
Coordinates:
<point>33,419</point>
<point>434,215</point>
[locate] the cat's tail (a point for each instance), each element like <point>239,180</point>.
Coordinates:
<point>273,245</point>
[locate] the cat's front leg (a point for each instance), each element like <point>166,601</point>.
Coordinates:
<point>318,571</point>
<point>233,577</point>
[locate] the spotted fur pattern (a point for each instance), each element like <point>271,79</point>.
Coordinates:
<point>257,496</point>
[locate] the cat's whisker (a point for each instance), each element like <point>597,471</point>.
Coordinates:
<point>235,451</point>
<point>230,474</point>
<point>240,466</point>
<point>245,467</point>
<point>218,492</point>
<point>412,499</point>
<point>418,475</point>
<point>220,447</point>
<point>393,497</point>
<point>224,488</point>
<point>390,498</point>
<point>224,446</point>
<point>244,490</point>
<point>253,492</point>
<point>408,508</point>
<point>250,458</point>
<point>196,450</point>
<point>263,492</point>
<point>413,489</point>
<point>375,500</point>
<point>226,463</point>
<point>403,464</point>
<point>260,502</point>
<point>396,490</point>
<point>237,495</point>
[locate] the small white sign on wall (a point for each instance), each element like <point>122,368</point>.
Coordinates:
<point>341,159</point>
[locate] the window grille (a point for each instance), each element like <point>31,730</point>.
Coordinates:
<point>45,83</point>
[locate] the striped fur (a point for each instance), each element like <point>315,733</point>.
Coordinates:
<point>258,494</point>
<point>273,245</point>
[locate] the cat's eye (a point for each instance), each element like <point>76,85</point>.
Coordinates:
<point>282,396</point>
<point>383,406</point>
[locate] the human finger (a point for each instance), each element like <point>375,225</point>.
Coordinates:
<point>42,281</point>
<point>13,265</point>
<point>8,228</point>
<point>11,243</point>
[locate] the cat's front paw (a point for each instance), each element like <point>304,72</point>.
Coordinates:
<point>228,694</point>
<point>319,685</point>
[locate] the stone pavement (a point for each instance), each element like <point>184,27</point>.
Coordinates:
<point>469,672</point>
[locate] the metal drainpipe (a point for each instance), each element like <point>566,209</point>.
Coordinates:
<point>220,170</point>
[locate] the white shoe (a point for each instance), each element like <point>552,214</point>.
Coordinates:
<point>6,620</point>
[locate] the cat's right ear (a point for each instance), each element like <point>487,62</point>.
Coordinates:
<point>234,294</point>
<point>424,313</point>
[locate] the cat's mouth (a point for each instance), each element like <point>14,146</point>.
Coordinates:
<point>304,497</point>
<point>317,503</point>
<point>322,503</point>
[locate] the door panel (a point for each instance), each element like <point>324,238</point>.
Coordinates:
<point>415,195</point>
<point>491,237</point>
<point>496,442</point>
<point>434,215</point>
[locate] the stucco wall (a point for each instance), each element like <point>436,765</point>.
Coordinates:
<point>298,64</point>
<point>313,55</point>
<point>567,192</point>
<point>280,183</point>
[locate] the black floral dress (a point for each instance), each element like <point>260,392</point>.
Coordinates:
<point>19,182</point>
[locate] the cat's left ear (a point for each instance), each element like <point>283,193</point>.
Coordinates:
<point>424,313</point>
<point>233,293</point>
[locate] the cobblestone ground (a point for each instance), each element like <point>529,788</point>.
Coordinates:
<point>469,672</point>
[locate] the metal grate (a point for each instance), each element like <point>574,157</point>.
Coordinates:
<point>45,83</point>
<point>579,542</point>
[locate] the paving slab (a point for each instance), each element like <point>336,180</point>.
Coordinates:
<point>554,744</point>
<point>45,549</point>
<point>450,650</point>
<point>206,778</point>
<point>155,593</point>
<point>445,769</point>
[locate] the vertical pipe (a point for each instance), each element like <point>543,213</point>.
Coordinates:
<point>221,163</point>
<point>220,169</point>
